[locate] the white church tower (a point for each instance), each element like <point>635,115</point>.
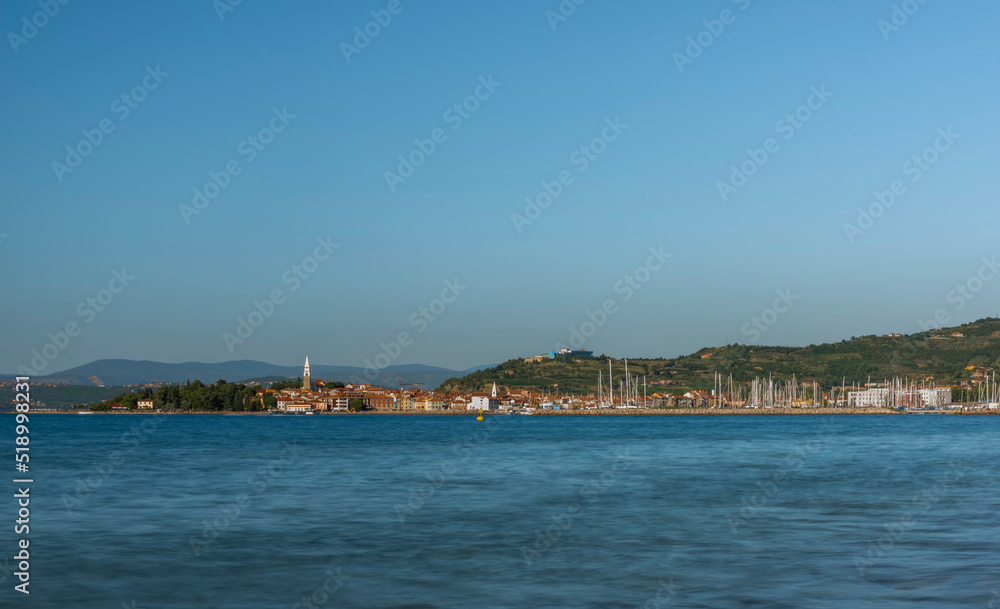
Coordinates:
<point>306,377</point>
<point>494,393</point>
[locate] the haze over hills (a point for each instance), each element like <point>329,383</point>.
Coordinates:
<point>131,372</point>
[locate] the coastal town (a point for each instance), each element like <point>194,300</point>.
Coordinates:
<point>313,397</point>
<point>316,397</point>
<point>616,389</point>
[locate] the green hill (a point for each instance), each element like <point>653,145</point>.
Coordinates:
<point>939,355</point>
<point>60,396</point>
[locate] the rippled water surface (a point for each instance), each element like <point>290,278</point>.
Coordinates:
<point>422,511</point>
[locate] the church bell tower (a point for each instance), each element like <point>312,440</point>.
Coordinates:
<point>306,377</point>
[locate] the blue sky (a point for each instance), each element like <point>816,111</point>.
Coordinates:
<point>323,176</point>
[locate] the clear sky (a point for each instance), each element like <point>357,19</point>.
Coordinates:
<point>641,124</point>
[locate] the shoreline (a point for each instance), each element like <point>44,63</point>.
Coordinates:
<point>570,413</point>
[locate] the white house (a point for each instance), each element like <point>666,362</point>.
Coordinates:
<point>481,401</point>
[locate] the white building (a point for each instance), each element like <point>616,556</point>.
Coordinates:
<point>882,396</point>
<point>869,398</point>
<point>481,401</point>
<point>936,398</point>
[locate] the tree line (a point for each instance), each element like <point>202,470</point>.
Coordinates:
<point>196,396</point>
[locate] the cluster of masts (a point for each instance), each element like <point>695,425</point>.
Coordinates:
<point>769,393</point>
<point>627,389</point>
<point>987,392</point>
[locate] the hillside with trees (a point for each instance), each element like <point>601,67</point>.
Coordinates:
<point>941,356</point>
<point>196,396</point>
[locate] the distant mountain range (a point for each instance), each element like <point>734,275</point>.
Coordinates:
<point>131,372</point>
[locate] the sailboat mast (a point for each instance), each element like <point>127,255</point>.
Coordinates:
<point>611,387</point>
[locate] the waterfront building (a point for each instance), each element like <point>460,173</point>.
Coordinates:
<point>405,400</point>
<point>428,401</point>
<point>483,401</point>
<point>869,398</point>
<point>880,397</point>
<point>936,398</point>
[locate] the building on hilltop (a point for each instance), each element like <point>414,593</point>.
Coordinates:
<point>575,353</point>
